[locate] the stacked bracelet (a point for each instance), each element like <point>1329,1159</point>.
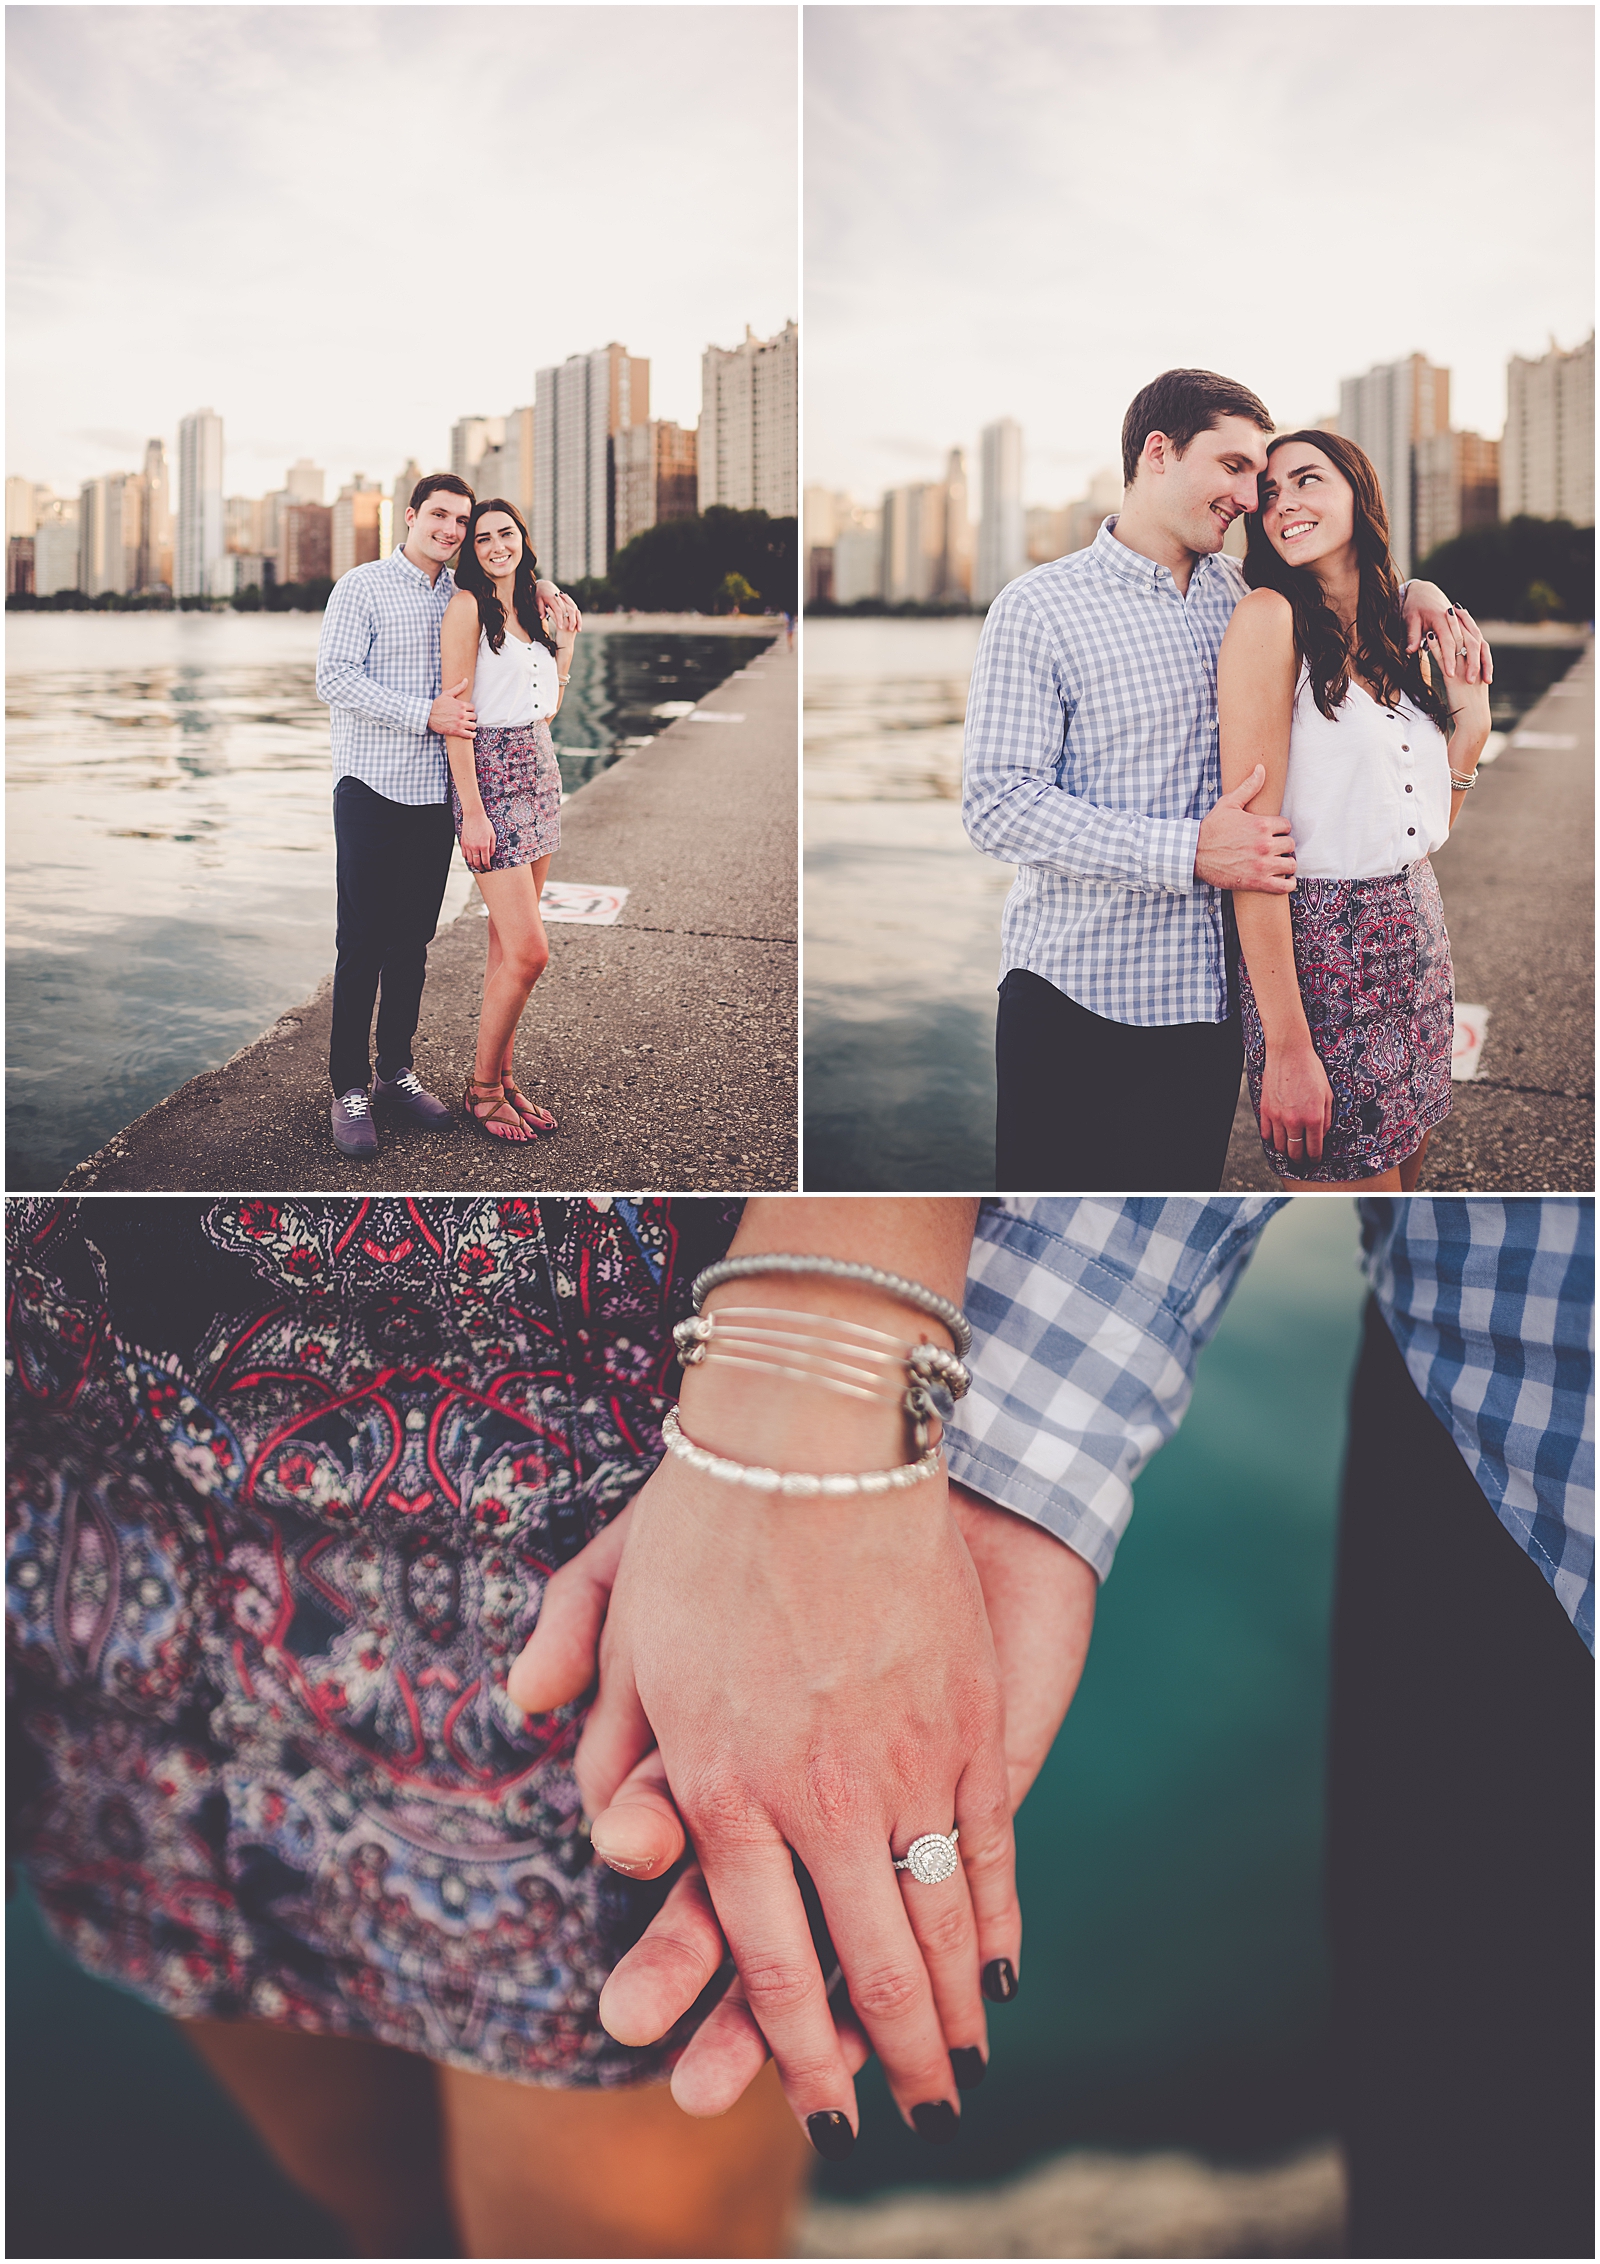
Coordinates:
<point>861,1363</point>
<point>794,1482</point>
<point>841,1269</point>
<point>1462,782</point>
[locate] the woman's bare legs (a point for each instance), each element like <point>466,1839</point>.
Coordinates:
<point>518,954</point>
<point>352,2123</point>
<point>1411,1167</point>
<point>519,1101</point>
<point>539,2172</point>
<point>413,2159</point>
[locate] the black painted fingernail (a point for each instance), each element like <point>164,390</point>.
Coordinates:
<point>999,1981</point>
<point>831,2135</point>
<point>970,2067</point>
<point>937,2122</point>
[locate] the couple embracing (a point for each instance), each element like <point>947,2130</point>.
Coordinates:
<point>1194,765</point>
<point>416,766</point>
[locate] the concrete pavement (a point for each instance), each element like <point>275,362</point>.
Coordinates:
<point>1517,878</point>
<point>666,1046</point>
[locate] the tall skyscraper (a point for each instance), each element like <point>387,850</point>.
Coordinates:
<point>155,551</point>
<point>361,526</point>
<point>749,453</point>
<point>1457,487</point>
<point>579,407</point>
<point>400,500</point>
<point>1547,456</point>
<point>471,439</point>
<point>22,512</point>
<point>655,477</point>
<point>1389,412</point>
<point>1002,540</point>
<point>200,539</point>
<point>305,542</point>
<point>55,548</point>
<point>110,534</point>
<point>304,481</point>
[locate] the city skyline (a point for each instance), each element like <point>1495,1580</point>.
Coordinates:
<point>214,257</point>
<point>1026,214</point>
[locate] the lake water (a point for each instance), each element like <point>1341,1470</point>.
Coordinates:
<point>1169,1857</point>
<point>903,915</point>
<point>169,850</point>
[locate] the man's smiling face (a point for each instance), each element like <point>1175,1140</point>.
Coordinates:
<point>1206,488</point>
<point>436,530</point>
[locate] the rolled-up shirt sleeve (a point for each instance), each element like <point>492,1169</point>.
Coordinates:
<point>1014,805</point>
<point>349,631</point>
<point>1089,1316</point>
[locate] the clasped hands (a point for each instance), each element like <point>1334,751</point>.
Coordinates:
<point>829,1679</point>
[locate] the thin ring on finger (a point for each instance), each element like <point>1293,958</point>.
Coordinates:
<point>932,1876</point>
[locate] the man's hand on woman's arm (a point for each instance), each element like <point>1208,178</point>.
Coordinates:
<point>1039,1598</point>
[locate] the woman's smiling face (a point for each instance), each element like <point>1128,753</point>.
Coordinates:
<point>497,543</point>
<point>1307,506</point>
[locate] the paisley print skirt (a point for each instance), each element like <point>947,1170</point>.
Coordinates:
<point>520,781</point>
<point>1374,966</point>
<point>287,1478</point>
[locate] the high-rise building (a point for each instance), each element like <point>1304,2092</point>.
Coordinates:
<point>155,551</point>
<point>1389,412</point>
<point>516,483</point>
<point>110,534</point>
<point>360,527</point>
<point>19,565</point>
<point>579,407</point>
<point>1547,456</point>
<point>22,510</point>
<point>655,477</point>
<point>199,535</point>
<point>1002,543</point>
<point>305,542</point>
<point>749,451</point>
<point>241,524</point>
<point>400,501</point>
<point>957,529</point>
<point>1457,487</point>
<point>913,542</point>
<point>55,548</point>
<point>471,439</point>
<point>304,481</point>
<point>857,555</point>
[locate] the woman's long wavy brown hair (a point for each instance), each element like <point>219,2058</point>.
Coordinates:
<point>1378,647</point>
<point>470,576</point>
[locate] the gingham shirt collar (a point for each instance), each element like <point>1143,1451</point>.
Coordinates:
<point>1132,566</point>
<point>1089,1315</point>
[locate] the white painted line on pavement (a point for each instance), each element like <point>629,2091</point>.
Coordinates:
<point>1544,739</point>
<point>1467,1048</point>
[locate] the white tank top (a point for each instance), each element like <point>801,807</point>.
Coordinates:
<point>517,684</point>
<point>1368,792</point>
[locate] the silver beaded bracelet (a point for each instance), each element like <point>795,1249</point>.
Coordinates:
<point>840,1269</point>
<point>794,1482</point>
<point>1462,782</point>
<point>861,1363</point>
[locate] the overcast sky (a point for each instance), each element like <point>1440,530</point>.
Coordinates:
<point>343,228</point>
<point>1031,211</point>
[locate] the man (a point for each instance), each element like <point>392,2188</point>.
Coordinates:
<point>1092,766</point>
<point>1461,1753</point>
<point>378,670</point>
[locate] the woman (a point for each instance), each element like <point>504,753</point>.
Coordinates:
<point>505,789</point>
<point>289,1477</point>
<point>1346,989</point>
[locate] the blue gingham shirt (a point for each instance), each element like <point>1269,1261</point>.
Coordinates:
<point>1089,1317</point>
<point>1091,758</point>
<point>378,670</point>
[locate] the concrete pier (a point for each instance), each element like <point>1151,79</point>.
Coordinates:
<point>665,1046</point>
<point>1517,878</point>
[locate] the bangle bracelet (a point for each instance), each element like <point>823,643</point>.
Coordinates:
<point>794,1482</point>
<point>840,1269</point>
<point>1462,782</point>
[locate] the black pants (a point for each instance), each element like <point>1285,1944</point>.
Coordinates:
<point>1089,1106</point>
<point>1460,1856</point>
<point>393,860</point>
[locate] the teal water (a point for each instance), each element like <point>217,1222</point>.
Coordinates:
<point>1174,1986</point>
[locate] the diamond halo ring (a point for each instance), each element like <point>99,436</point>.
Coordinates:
<point>931,1858</point>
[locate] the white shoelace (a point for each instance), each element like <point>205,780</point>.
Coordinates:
<point>409,1083</point>
<point>355,1103</point>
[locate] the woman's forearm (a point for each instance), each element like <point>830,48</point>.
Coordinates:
<point>564,647</point>
<point>463,759</point>
<point>1266,938</point>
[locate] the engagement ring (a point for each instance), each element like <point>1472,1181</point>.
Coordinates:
<point>931,1858</point>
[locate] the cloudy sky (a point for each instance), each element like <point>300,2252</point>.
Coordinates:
<point>345,227</point>
<point>1030,211</point>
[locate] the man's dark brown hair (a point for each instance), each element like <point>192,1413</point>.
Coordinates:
<point>451,481</point>
<point>1180,403</point>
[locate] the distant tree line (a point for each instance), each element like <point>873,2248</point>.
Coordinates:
<point>1522,570</point>
<point>720,561</point>
<point>907,609</point>
<point>282,597</point>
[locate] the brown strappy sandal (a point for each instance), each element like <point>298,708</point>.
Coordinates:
<point>493,1121</point>
<point>530,1112</point>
